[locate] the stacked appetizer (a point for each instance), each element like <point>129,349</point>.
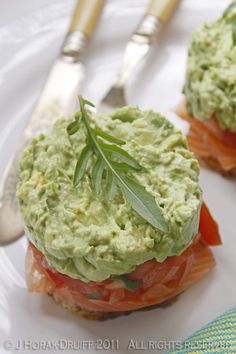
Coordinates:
<point>210,92</point>
<point>113,211</point>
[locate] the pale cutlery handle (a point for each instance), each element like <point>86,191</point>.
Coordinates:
<point>161,9</point>
<point>81,27</point>
<point>85,16</point>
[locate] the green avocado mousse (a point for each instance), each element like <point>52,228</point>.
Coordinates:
<point>210,92</point>
<point>111,205</point>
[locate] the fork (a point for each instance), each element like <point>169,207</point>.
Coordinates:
<point>140,43</point>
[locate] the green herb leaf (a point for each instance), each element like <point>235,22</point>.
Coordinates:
<point>96,295</point>
<point>111,186</point>
<point>129,284</point>
<point>108,137</point>
<point>83,101</point>
<point>121,166</point>
<point>116,172</point>
<point>143,203</point>
<point>73,127</point>
<point>97,173</point>
<point>81,165</point>
<point>121,154</point>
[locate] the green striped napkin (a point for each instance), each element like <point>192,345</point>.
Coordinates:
<point>218,336</point>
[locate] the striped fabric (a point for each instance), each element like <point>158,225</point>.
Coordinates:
<point>218,336</point>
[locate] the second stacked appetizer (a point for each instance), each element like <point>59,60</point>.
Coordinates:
<point>210,93</point>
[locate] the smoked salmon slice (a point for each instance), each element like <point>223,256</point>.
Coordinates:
<point>200,262</point>
<point>207,139</point>
<point>36,279</point>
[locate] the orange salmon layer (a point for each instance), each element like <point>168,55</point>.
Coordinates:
<point>206,139</point>
<point>159,282</point>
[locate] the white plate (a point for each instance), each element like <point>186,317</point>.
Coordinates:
<point>30,37</point>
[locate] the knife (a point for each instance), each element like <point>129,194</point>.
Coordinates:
<point>58,99</point>
<point>139,45</point>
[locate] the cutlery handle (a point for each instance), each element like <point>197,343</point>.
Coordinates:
<point>81,27</point>
<point>161,9</point>
<point>85,16</point>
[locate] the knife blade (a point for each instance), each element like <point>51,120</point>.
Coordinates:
<point>57,99</point>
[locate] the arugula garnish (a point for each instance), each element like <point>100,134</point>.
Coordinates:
<point>96,295</point>
<point>129,284</point>
<point>115,164</point>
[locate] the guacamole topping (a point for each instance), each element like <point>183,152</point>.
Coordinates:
<point>89,237</point>
<point>210,86</point>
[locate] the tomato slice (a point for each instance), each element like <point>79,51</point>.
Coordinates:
<point>208,228</point>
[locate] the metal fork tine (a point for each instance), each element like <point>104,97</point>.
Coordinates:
<point>114,98</point>
<point>136,50</point>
